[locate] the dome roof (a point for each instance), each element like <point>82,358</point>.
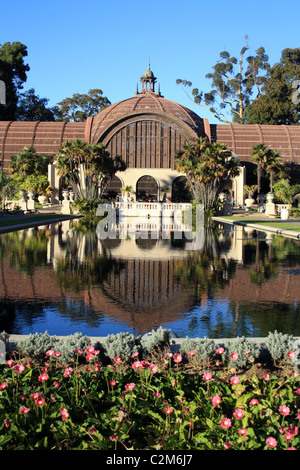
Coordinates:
<point>147,105</point>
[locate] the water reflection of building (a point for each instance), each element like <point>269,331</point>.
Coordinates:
<point>143,290</point>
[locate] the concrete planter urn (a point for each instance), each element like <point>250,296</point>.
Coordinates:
<point>249,202</point>
<point>285,214</point>
<point>42,199</point>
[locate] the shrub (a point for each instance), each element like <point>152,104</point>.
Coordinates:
<point>68,345</point>
<point>121,345</point>
<point>36,345</point>
<point>205,348</point>
<point>156,340</point>
<point>278,345</point>
<point>246,350</point>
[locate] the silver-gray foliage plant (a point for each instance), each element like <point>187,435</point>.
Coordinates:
<point>205,348</point>
<point>156,340</point>
<point>121,345</point>
<point>36,345</point>
<point>278,345</point>
<point>246,350</point>
<point>67,346</point>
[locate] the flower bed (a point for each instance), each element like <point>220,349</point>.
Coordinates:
<point>168,401</point>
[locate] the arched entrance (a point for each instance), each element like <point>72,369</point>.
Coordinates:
<point>113,189</point>
<point>180,190</point>
<point>147,189</point>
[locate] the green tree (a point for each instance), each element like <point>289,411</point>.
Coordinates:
<point>273,165</point>
<point>80,107</point>
<point>258,155</point>
<point>33,108</point>
<point>206,165</point>
<point>13,71</point>
<point>276,105</point>
<point>88,168</point>
<point>28,162</point>
<point>286,192</point>
<point>233,83</point>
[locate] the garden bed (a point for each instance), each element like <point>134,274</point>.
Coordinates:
<point>152,400</point>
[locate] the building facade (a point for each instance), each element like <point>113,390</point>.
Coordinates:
<point>148,131</point>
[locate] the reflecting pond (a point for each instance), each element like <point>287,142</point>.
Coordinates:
<point>63,278</point>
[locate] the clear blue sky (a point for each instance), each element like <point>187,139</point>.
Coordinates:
<point>74,46</point>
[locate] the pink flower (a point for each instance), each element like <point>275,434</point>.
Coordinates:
<point>220,351</point>
<point>3,386</point>
<point>153,369</point>
<point>192,353</point>
<point>129,387</point>
<point>177,357</point>
<point>284,410</point>
<point>225,423</point>
<point>43,377</point>
<point>117,360</point>
<point>57,354</point>
<point>216,400</point>
<point>168,355</point>
<point>50,353</point>
<point>135,354</point>
<point>266,377</point>
<point>39,401</point>
<point>206,377</point>
<point>290,354</point>
<point>9,363</point>
<point>157,394</point>
<point>136,365</point>
<point>18,368</point>
<point>78,351</point>
<point>271,442</point>
<point>68,371</point>
<point>253,402</point>
<point>242,432</point>
<point>64,413</point>
<point>7,423</point>
<point>56,383</point>
<point>168,410</point>
<point>112,383</point>
<point>35,395</point>
<point>227,445</point>
<point>234,380</point>
<point>238,413</point>
<point>234,356</point>
<point>174,383</point>
<point>24,410</point>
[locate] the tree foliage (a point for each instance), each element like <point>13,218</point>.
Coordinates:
<point>269,160</point>
<point>206,165</point>
<point>234,81</point>
<point>88,168</point>
<point>275,105</point>
<point>33,108</point>
<point>13,71</point>
<point>28,162</point>
<point>81,106</point>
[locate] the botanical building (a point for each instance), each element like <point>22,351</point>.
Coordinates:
<point>148,131</point>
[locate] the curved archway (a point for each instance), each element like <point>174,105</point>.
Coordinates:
<point>180,190</point>
<point>146,188</point>
<point>113,189</point>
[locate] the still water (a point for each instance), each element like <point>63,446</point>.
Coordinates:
<point>63,278</point>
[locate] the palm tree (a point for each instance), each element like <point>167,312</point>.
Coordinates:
<point>205,166</point>
<point>88,168</point>
<point>258,155</point>
<point>273,165</point>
